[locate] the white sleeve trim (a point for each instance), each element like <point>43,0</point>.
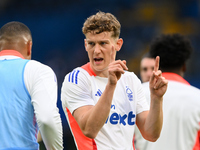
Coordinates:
<point>77,95</point>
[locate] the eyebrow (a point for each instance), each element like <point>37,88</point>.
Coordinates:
<point>97,41</point>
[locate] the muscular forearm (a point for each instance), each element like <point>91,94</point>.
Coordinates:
<point>94,119</point>
<point>154,120</point>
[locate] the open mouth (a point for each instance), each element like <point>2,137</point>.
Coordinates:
<point>98,59</point>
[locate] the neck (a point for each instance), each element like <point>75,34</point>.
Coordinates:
<point>11,52</point>
<point>179,71</point>
<point>101,73</point>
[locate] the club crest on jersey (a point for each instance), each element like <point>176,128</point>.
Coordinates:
<point>129,93</point>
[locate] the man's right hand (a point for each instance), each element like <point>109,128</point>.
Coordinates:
<point>115,68</point>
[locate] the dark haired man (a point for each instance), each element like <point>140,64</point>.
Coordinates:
<point>28,94</point>
<point>181,105</point>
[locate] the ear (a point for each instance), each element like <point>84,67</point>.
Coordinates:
<point>119,44</point>
<point>29,49</point>
<point>85,43</point>
<point>184,68</point>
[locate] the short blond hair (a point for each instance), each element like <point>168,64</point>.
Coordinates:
<point>101,22</point>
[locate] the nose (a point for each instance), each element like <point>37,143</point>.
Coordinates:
<point>149,72</point>
<point>97,49</point>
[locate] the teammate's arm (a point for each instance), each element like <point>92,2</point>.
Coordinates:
<point>42,86</point>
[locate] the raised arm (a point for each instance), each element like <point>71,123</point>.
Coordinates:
<point>92,118</point>
<point>150,122</point>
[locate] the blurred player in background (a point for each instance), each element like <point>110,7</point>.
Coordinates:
<point>181,105</point>
<point>102,100</point>
<point>146,67</point>
<point>28,97</point>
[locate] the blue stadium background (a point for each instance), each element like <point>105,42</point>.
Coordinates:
<point>58,39</point>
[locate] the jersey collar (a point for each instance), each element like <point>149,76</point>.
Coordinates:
<point>174,77</point>
<point>88,68</point>
<point>11,52</point>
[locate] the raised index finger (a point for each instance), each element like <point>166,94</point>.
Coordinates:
<point>112,55</point>
<point>156,67</point>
